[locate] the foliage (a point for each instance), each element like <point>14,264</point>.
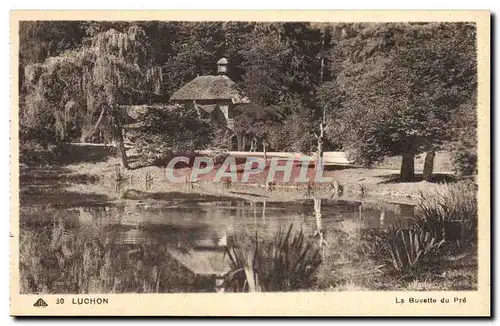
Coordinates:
<point>292,132</point>
<point>288,263</point>
<point>300,127</point>
<point>282,64</point>
<point>196,46</point>
<point>464,140</point>
<point>163,131</point>
<point>73,92</point>
<point>387,89</point>
<point>409,247</point>
<point>190,53</point>
<point>264,80</point>
<point>449,217</point>
<point>39,40</point>
<point>401,84</point>
<point>450,213</point>
<point>254,120</point>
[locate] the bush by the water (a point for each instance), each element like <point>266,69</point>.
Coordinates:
<point>450,212</point>
<point>409,247</point>
<point>289,262</point>
<point>449,221</point>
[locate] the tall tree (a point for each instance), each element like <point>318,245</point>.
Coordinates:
<point>284,65</point>
<point>402,84</point>
<point>86,87</point>
<point>39,40</point>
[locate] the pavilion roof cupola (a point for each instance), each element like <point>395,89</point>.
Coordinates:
<point>222,66</point>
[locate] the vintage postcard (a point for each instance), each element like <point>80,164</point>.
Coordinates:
<point>250,163</point>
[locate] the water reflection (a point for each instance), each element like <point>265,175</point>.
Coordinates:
<point>319,232</point>
<point>176,247</point>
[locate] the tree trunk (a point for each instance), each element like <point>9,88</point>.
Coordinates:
<point>238,142</point>
<point>264,211</point>
<point>87,135</point>
<point>319,138</point>
<point>429,165</point>
<point>120,144</point>
<point>317,214</point>
<point>116,123</point>
<point>120,147</point>
<point>382,218</point>
<point>319,149</point>
<point>322,66</point>
<point>98,123</point>
<point>407,167</point>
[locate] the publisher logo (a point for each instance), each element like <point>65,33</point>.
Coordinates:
<point>40,303</point>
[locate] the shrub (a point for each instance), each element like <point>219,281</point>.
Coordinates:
<point>449,217</point>
<point>465,162</point>
<point>154,152</point>
<point>35,152</point>
<point>409,247</point>
<point>289,262</point>
<point>450,212</point>
<point>463,146</point>
<point>219,156</point>
<point>171,129</point>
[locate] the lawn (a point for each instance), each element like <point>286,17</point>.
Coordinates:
<point>95,172</point>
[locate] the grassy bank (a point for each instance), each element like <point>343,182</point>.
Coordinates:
<point>434,252</point>
<point>93,175</point>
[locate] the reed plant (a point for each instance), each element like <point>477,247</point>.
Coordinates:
<point>288,262</point>
<point>449,220</point>
<point>409,247</point>
<point>450,213</point>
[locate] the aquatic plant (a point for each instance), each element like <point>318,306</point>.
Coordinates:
<point>409,247</point>
<point>148,180</point>
<point>450,213</point>
<point>449,217</point>
<point>118,174</point>
<point>288,262</point>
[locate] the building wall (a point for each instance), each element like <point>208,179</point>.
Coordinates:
<point>223,113</point>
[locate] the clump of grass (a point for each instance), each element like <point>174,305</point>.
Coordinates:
<point>118,174</point>
<point>449,217</point>
<point>450,213</point>
<point>148,180</point>
<point>289,262</point>
<point>410,247</point>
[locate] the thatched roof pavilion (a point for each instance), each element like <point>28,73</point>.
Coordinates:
<point>209,88</point>
<point>214,96</point>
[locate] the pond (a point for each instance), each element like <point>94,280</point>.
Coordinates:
<point>175,246</point>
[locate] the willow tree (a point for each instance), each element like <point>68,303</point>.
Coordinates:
<point>81,91</point>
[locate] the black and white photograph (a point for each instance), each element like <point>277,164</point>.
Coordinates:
<point>233,156</point>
